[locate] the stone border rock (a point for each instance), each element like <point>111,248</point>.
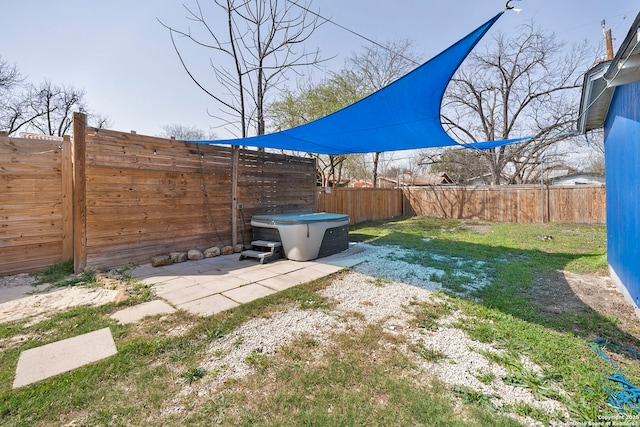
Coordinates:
<point>176,257</point>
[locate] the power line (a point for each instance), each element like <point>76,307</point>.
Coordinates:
<point>350,31</point>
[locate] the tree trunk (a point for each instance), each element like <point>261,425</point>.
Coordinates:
<point>376,158</point>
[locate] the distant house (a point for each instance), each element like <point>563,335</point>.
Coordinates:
<point>583,178</point>
<point>481,180</point>
<point>556,172</point>
<point>555,175</point>
<point>611,100</point>
<point>415,180</point>
<point>362,184</point>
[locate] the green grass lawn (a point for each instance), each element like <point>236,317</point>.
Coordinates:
<point>341,385</point>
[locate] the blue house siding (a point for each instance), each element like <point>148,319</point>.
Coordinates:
<point>622,153</point>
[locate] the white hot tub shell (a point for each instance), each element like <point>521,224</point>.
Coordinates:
<point>304,236</point>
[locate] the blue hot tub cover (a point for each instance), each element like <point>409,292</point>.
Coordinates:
<point>299,218</point>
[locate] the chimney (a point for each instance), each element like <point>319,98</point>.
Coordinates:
<point>608,41</point>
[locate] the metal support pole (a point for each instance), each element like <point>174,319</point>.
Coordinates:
<point>542,190</point>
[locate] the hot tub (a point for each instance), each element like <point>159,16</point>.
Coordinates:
<point>304,236</point>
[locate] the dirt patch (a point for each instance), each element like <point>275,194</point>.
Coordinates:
<point>41,306</point>
<point>564,293</point>
<point>20,298</point>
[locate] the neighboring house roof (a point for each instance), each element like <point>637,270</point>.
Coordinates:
<point>362,184</point>
<point>482,179</point>
<point>432,179</point>
<point>578,179</point>
<point>424,179</point>
<point>601,80</point>
<point>558,171</point>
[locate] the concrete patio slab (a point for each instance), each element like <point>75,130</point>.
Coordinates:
<point>154,280</point>
<point>205,277</point>
<point>182,295</point>
<point>208,306</point>
<point>214,284</point>
<point>145,271</point>
<point>255,275</point>
<point>248,293</point>
<point>284,267</point>
<point>223,283</point>
<point>15,292</point>
<point>222,263</point>
<point>243,267</point>
<point>346,262</point>
<point>325,269</point>
<point>352,256</point>
<point>39,363</point>
<point>138,312</point>
<point>305,275</point>
<point>177,282</point>
<point>280,283</point>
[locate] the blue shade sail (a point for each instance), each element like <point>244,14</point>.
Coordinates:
<point>403,115</point>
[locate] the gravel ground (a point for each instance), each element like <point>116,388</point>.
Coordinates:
<point>388,303</point>
<point>464,364</point>
<point>398,264</point>
<point>380,290</point>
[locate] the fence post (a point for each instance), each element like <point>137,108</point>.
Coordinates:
<point>234,194</point>
<point>67,199</point>
<point>79,192</point>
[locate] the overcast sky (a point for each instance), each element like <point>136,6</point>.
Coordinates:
<point>123,58</point>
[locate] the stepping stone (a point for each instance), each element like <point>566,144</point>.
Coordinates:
<point>136,313</point>
<point>39,363</point>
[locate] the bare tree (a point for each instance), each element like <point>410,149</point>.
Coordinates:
<point>525,86</point>
<point>99,121</point>
<point>378,65</point>
<point>45,108</point>
<point>52,108</point>
<point>256,47</point>
<point>185,132</point>
<point>9,77</point>
<point>460,164</point>
<point>14,111</point>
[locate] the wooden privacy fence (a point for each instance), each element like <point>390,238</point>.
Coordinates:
<point>580,204</point>
<point>510,203</point>
<point>123,198</point>
<point>362,204</point>
<point>36,221</point>
<point>109,198</point>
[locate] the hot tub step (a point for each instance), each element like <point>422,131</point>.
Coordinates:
<point>266,244</point>
<point>263,250</point>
